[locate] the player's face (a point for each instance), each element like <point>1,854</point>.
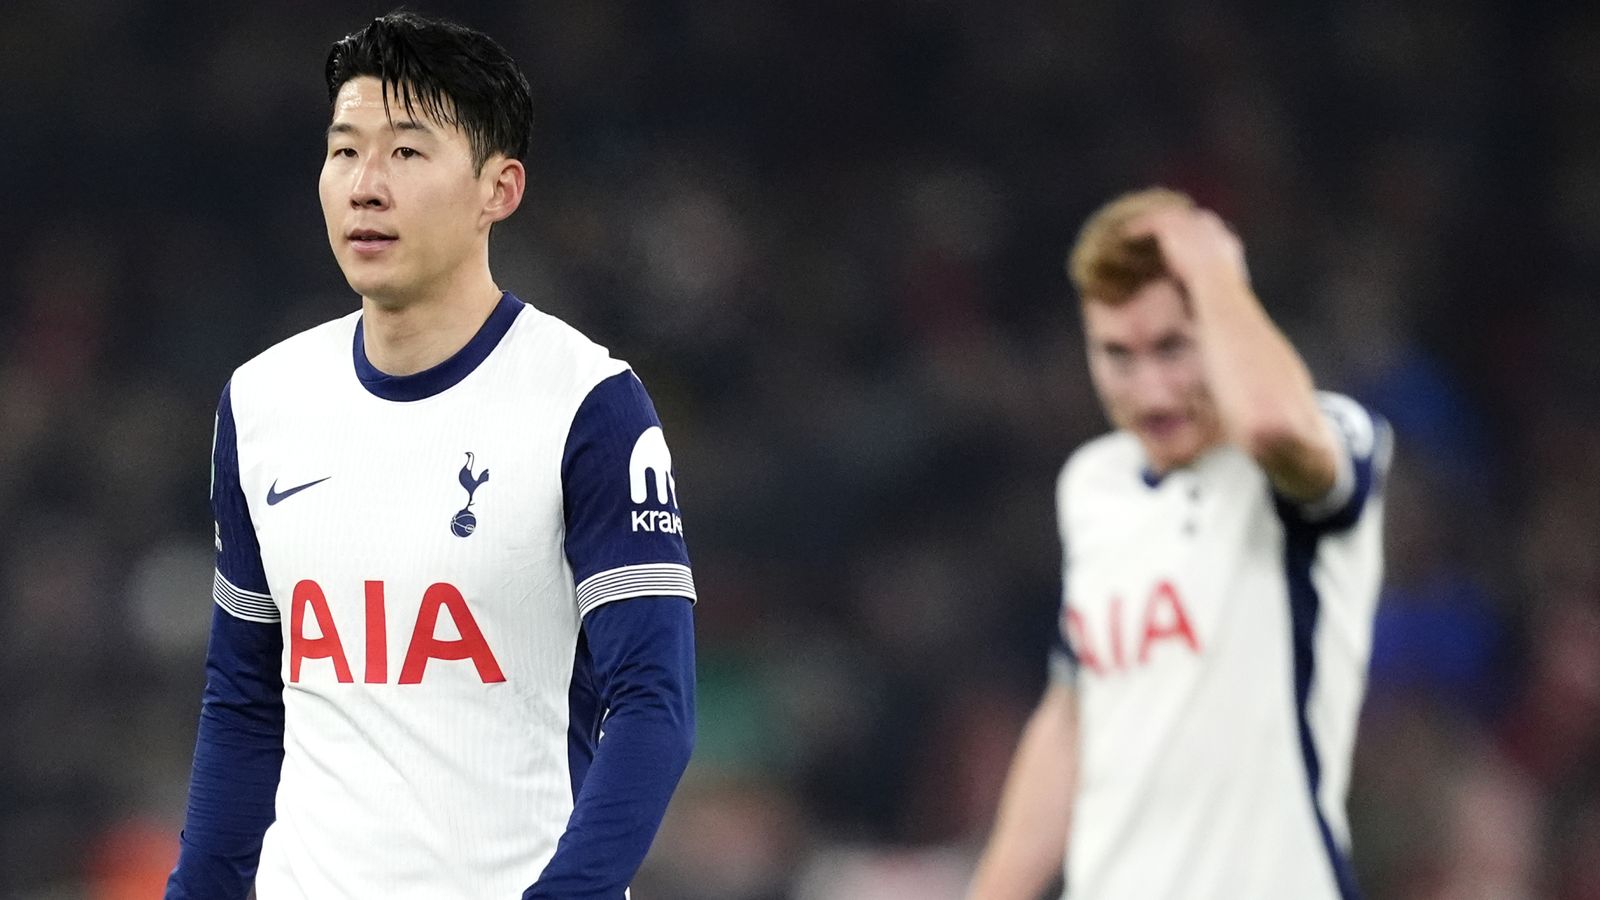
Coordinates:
<point>1147,369</point>
<point>404,209</point>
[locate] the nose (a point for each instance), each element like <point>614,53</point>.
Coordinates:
<point>370,190</point>
<point>1153,384</point>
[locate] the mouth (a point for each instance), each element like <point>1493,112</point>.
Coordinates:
<point>369,241</point>
<point>1162,426</point>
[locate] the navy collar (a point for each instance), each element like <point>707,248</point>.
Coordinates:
<point>445,375</point>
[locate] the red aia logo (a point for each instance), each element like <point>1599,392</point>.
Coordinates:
<point>424,645</point>
<point>1165,619</point>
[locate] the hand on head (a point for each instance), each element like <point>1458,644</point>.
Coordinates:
<point>1196,245</point>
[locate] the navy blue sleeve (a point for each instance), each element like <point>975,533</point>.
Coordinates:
<point>633,684</point>
<point>1364,441</point>
<point>239,750</point>
<point>643,664</point>
<point>620,496</point>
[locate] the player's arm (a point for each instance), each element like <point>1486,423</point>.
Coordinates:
<point>1263,390</point>
<point>1025,851</point>
<point>643,650</point>
<point>635,593</point>
<point>239,749</point>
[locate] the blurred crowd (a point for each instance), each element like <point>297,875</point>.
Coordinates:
<point>829,234</point>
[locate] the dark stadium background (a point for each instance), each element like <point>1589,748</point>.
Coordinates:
<point>829,235</point>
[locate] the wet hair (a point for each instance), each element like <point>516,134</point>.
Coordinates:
<point>454,75</point>
<point>1107,266</point>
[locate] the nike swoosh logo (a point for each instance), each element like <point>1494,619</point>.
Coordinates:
<point>273,497</point>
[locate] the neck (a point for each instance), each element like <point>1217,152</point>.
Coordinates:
<point>1166,466</point>
<point>404,336</point>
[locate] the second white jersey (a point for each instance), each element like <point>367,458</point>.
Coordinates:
<point>1218,637</point>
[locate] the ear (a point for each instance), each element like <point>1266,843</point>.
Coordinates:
<point>506,179</point>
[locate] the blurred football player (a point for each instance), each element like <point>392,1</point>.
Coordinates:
<point>1222,556</point>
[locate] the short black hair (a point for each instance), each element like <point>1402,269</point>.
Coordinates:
<point>457,76</point>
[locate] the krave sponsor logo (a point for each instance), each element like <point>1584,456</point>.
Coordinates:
<point>650,480</point>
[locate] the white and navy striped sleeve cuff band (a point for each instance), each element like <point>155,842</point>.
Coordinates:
<point>650,580</point>
<point>243,604</point>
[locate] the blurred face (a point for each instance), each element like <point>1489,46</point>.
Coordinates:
<point>1147,370</point>
<point>405,211</point>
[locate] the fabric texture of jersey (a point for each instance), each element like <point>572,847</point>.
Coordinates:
<point>1218,639</point>
<point>427,549</point>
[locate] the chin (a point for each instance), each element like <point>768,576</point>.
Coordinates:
<point>369,284</point>
<point>1173,454</point>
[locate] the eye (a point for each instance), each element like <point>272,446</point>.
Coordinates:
<point>406,152</point>
<point>347,152</point>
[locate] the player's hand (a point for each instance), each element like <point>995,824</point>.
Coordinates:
<point>1199,249</point>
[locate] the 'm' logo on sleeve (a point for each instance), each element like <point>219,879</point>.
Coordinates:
<point>650,466</point>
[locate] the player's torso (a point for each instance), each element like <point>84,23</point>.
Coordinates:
<point>414,550</point>
<point>380,503</point>
<point>1178,610</point>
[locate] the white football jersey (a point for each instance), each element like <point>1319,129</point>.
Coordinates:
<point>1218,637</point>
<point>412,543</point>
